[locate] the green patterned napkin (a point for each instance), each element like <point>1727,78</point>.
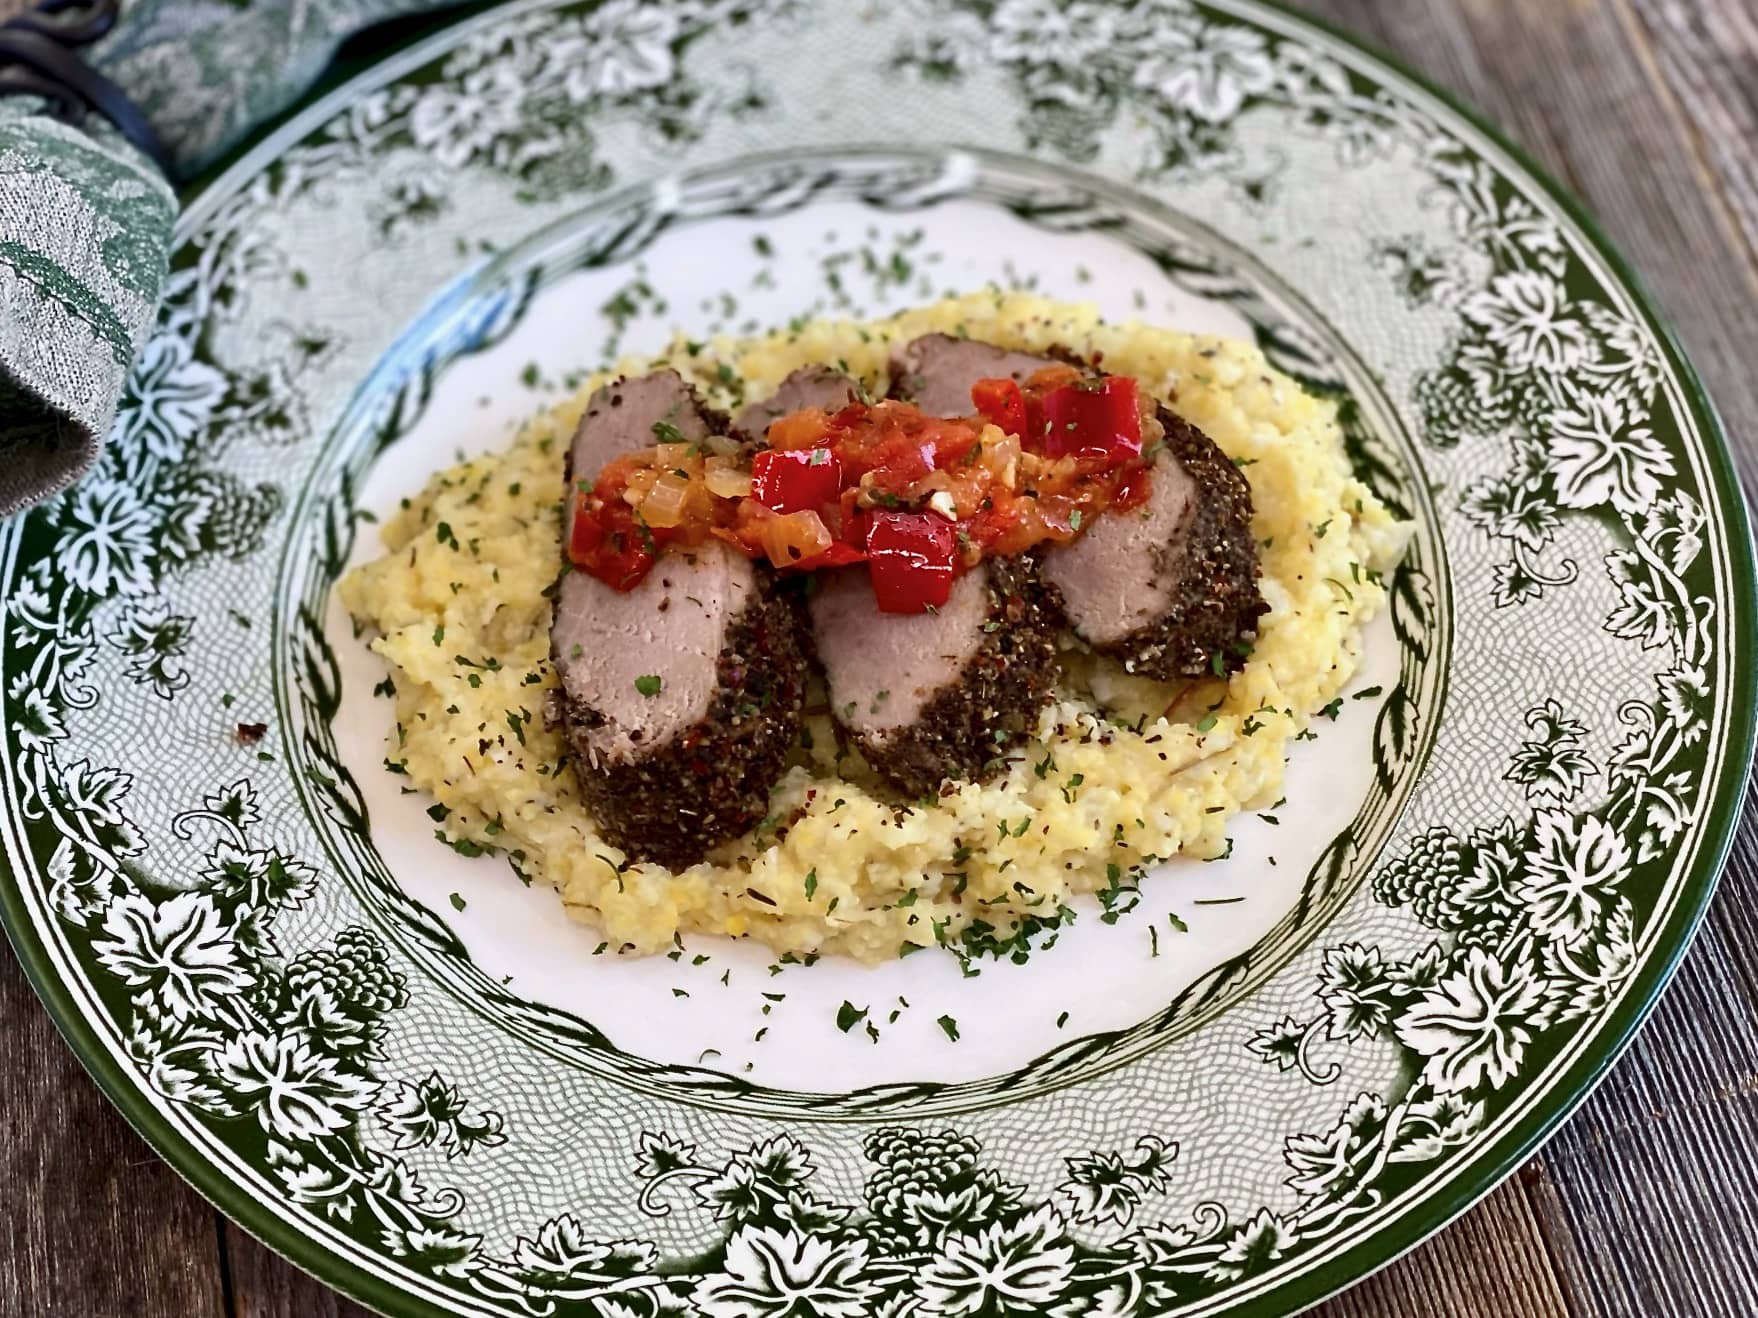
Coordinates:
<point>86,219</point>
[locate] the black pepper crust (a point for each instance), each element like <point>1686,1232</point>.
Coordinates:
<point>1215,611</point>
<point>671,803</point>
<point>967,726</point>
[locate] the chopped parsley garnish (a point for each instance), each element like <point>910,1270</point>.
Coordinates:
<point>950,1026</point>
<point>463,845</point>
<point>649,684</point>
<point>457,902</point>
<point>848,1016</point>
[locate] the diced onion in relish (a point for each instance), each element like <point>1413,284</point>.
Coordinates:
<point>791,538</point>
<point>668,502</point>
<point>727,482</point>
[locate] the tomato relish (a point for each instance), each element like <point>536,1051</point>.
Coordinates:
<point>917,498</point>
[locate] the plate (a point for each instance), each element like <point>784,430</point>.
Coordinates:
<point>1269,1075</point>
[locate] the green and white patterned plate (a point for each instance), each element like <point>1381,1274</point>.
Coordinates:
<point>406,1070</point>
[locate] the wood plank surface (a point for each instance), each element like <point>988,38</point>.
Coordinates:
<point>1646,1204</point>
<point>92,1223</point>
<point>264,1285</point>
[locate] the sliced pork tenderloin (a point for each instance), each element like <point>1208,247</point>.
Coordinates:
<point>936,371</point>
<point>681,697</point>
<point>931,696</point>
<point>927,696</point>
<point>1168,589</point>
<point>823,387</point>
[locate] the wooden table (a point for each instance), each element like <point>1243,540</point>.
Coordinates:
<point>1647,1202</point>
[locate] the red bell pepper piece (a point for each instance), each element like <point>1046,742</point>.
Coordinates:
<point>612,545</point>
<point>587,534</point>
<point>1098,419</point>
<point>795,480</point>
<point>1000,402</point>
<point>912,558</point>
<point>838,555</point>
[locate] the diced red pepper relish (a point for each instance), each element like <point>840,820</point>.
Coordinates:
<point>1102,417</point>
<point>795,480</point>
<point>919,498</point>
<point>1000,403</point>
<point>612,544</point>
<point>913,558</point>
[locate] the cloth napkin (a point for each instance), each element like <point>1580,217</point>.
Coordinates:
<point>86,219</point>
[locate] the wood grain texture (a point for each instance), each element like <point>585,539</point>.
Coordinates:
<point>264,1285</point>
<point>1646,1204</point>
<point>1494,1261</point>
<point>92,1223</point>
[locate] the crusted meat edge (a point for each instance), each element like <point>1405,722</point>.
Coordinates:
<point>674,801</point>
<point>1219,603</point>
<point>966,727</point>
<point>727,760</point>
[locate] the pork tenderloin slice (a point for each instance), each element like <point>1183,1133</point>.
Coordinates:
<point>673,626</point>
<point>936,371</point>
<point>621,416</point>
<point>670,774</point>
<point>1170,587</point>
<point>932,696</point>
<point>811,386</point>
<point>1164,588</point>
